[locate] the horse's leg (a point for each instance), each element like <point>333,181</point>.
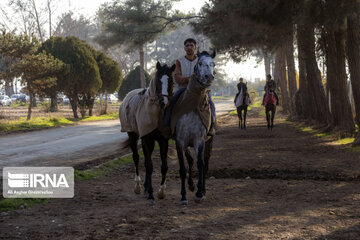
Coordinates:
<point>239,115</point>
<point>148,143</point>
<point>199,150</point>
<point>207,155</point>
<point>133,138</point>
<point>245,112</point>
<point>241,120</point>
<point>163,143</point>
<point>190,161</point>
<point>179,150</point>
<point>268,117</point>
<point>272,117</point>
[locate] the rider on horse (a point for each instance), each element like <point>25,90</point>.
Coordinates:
<point>183,71</point>
<point>270,86</point>
<point>240,86</point>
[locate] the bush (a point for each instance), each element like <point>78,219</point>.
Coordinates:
<point>132,81</point>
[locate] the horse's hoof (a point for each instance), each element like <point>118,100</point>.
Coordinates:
<point>184,202</point>
<point>192,187</point>
<point>199,199</point>
<point>150,202</point>
<point>137,189</point>
<point>146,194</point>
<point>161,193</point>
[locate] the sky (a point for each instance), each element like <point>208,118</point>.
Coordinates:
<point>249,70</point>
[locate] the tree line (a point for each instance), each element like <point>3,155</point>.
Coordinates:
<point>59,64</point>
<point>324,31</point>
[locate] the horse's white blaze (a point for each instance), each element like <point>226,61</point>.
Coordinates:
<point>164,88</point>
<point>206,67</point>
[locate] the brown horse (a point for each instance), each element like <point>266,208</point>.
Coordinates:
<point>270,107</point>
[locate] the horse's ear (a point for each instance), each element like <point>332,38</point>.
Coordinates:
<point>213,54</point>
<point>158,65</point>
<point>172,67</point>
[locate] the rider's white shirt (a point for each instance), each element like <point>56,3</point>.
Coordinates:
<point>187,68</point>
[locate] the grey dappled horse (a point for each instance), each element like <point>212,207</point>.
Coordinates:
<point>190,132</point>
<point>131,113</point>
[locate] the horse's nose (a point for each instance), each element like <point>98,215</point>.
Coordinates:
<point>209,77</point>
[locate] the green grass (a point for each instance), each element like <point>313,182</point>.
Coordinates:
<point>334,139</point>
<point>234,113</point>
<point>221,97</point>
<point>20,104</point>
<point>33,123</point>
<point>343,141</point>
<point>15,203</point>
<point>115,104</point>
<point>46,122</point>
<point>109,116</point>
<point>257,104</point>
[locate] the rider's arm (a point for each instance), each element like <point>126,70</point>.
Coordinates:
<point>179,79</point>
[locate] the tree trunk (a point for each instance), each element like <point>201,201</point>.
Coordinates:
<point>49,12</point>
<point>313,77</point>
<point>266,63</point>
<point>33,102</point>
<point>142,74</point>
<point>342,118</point>
<point>37,19</point>
<point>290,62</point>
<point>53,104</point>
<point>106,102</point>
<point>306,106</point>
<point>353,54</point>
<point>280,78</point>
<point>272,63</point>
<point>73,101</point>
<point>30,105</point>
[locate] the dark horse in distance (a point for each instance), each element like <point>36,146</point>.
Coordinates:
<point>270,109</point>
<point>242,101</point>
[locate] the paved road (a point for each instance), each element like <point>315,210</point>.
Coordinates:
<point>68,146</point>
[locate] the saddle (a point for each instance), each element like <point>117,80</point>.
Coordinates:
<point>270,99</point>
<point>194,98</point>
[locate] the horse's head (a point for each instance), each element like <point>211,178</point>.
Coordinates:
<point>164,83</point>
<point>205,68</point>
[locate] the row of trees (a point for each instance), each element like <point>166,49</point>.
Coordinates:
<point>67,65</point>
<point>131,32</point>
<point>324,30</point>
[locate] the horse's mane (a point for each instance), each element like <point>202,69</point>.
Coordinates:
<point>203,53</point>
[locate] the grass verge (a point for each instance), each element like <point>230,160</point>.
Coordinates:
<point>333,138</point>
<point>16,203</point>
<point>47,122</point>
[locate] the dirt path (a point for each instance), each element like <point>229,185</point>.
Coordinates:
<point>283,184</point>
